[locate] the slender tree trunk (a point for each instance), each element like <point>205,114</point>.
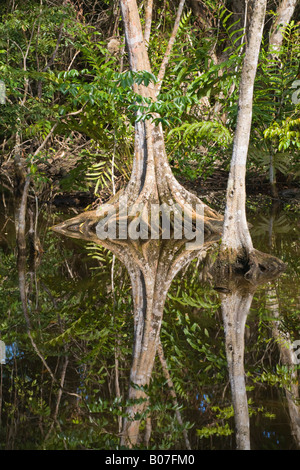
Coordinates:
<point>151,270</point>
<point>236,246</point>
<point>235,308</point>
<point>284,15</point>
<point>272,176</point>
<point>170,384</point>
<point>236,236</point>
<point>285,346</point>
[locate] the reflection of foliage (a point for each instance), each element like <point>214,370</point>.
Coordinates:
<point>281,225</point>
<point>217,430</point>
<point>67,317</point>
<point>190,312</point>
<point>83,327</point>
<point>260,157</point>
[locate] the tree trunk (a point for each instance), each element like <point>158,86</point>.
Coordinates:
<point>152,180</point>
<point>284,15</point>
<point>236,235</point>
<point>236,246</point>
<point>152,265</point>
<point>235,307</point>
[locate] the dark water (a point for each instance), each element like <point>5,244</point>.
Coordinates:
<point>68,348</point>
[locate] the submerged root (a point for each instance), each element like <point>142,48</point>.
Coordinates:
<point>263,265</point>
<point>254,265</point>
<point>138,213</point>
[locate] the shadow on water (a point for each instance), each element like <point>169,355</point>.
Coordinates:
<point>170,357</point>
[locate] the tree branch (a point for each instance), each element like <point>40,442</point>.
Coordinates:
<point>283,17</point>
<point>166,58</point>
<point>45,140</point>
<point>56,48</point>
<point>164,365</point>
<point>148,21</point>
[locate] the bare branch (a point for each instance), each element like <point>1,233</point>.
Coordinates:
<point>148,21</point>
<point>56,48</point>
<point>164,365</point>
<point>45,140</point>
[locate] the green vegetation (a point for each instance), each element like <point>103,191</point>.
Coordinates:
<point>69,92</point>
<point>84,330</point>
<point>69,116</point>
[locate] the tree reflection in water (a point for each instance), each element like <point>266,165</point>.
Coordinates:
<point>152,265</point>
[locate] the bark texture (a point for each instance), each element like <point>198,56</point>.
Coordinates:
<point>236,246</point>
<point>152,180</point>
<point>284,15</point>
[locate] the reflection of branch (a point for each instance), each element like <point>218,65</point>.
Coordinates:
<point>284,343</point>
<point>164,365</point>
<point>235,307</point>
<point>59,395</point>
<point>22,287</point>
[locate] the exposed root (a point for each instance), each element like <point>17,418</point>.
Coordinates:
<point>263,265</point>
<point>255,266</point>
<point>136,212</point>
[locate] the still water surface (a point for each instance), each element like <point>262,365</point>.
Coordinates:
<point>73,342</point>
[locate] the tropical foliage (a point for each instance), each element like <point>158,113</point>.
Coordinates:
<point>67,90</point>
